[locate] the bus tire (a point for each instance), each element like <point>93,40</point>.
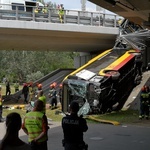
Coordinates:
<point>114,74</point>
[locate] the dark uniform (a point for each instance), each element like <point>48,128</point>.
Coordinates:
<point>144,103</point>
<point>73,128</point>
<point>8,91</point>
<point>25,92</point>
<point>1,106</point>
<point>53,97</point>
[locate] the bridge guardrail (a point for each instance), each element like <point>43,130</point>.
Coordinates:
<point>52,16</point>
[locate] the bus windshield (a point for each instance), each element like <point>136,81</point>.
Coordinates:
<point>77,88</point>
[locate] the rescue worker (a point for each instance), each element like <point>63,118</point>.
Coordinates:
<point>8,90</point>
<point>25,92</point>
<point>39,88</point>
<point>37,9</point>
<point>31,92</point>
<point>42,97</point>
<point>45,9</point>
<point>60,93</point>
<point>35,125</point>
<point>73,128</point>
<point>53,96</point>
<point>1,104</point>
<point>144,102</point>
<point>61,13</point>
<point>16,86</point>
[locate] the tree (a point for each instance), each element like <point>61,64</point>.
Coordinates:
<point>23,65</point>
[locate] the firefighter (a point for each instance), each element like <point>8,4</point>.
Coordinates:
<point>144,102</point>
<point>42,97</point>
<point>53,96</point>
<point>73,128</point>
<point>60,93</point>
<point>39,88</point>
<point>25,92</point>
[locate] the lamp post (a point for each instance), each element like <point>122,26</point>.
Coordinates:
<point>83,5</point>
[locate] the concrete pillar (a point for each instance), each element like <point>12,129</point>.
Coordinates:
<point>82,59</point>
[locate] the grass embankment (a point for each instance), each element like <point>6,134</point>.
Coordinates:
<point>11,88</point>
<point>50,113</point>
<point>128,116</point>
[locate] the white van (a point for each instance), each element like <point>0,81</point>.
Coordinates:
<point>25,5</point>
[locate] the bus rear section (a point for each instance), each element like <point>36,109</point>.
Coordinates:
<point>104,83</point>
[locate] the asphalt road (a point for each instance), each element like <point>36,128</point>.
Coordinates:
<point>101,137</point>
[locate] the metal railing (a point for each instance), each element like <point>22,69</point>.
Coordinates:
<point>13,12</point>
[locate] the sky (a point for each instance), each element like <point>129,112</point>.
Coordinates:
<point>74,5</point>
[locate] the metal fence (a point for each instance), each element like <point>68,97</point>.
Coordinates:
<point>13,12</point>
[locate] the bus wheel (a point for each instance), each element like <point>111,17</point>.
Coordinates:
<point>114,74</point>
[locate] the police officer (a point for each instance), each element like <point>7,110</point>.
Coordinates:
<point>73,128</point>
<point>144,103</point>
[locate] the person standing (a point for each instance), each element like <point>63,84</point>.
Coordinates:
<point>31,92</point>
<point>25,92</point>
<point>144,102</point>
<point>16,86</point>
<point>1,104</point>
<point>8,91</point>
<point>53,96</point>
<point>35,125</point>
<point>73,128</point>
<point>61,13</point>
<point>39,88</point>
<point>42,97</point>
<point>60,93</point>
<point>11,140</point>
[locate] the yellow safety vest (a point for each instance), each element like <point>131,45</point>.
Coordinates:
<point>33,124</point>
<point>61,12</point>
<point>0,99</point>
<point>145,95</point>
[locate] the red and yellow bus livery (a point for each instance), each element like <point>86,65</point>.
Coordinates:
<point>103,83</point>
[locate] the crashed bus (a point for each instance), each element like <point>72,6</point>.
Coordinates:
<point>103,84</point>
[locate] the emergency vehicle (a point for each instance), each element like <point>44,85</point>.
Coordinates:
<point>24,5</point>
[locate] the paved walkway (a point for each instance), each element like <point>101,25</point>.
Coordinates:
<point>21,132</point>
<point>133,99</point>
